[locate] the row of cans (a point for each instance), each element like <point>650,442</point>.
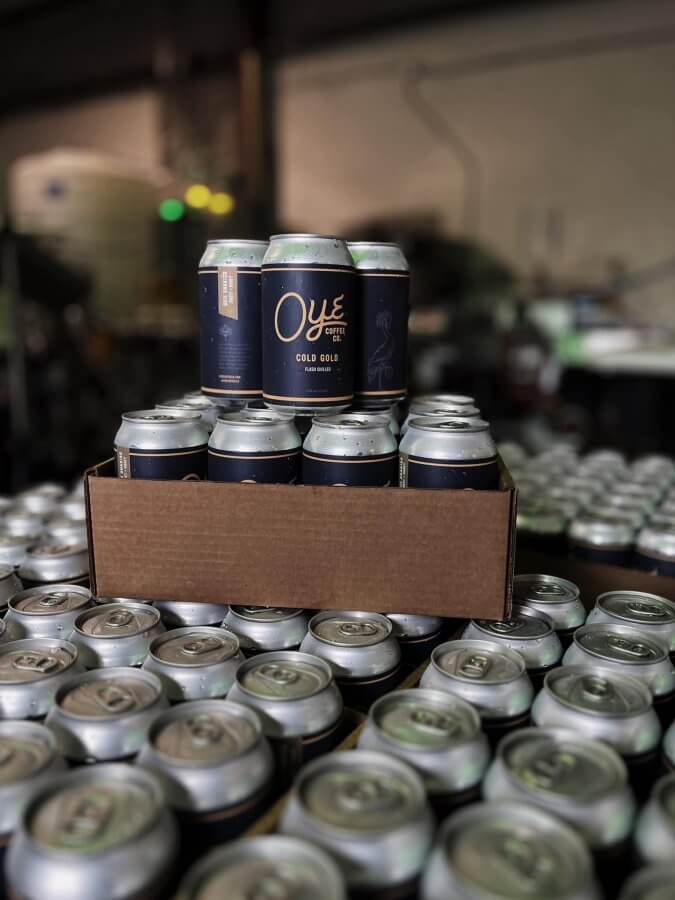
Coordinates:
<point>445,446</point>
<point>304,321</point>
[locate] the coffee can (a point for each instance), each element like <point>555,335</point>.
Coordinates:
<point>102,831</point>
<point>46,611</point>
<point>419,409</point>
<point>446,453</point>
<point>555,597</point>
<point>264,628</point>
<point>309,322</point>
<point>104,715</point>
<point>649,613</point>
<point>602,537</point>
<point>161,445</point>
<point>254,449</point>
<point>31,673</point>
<point>381,358</point>
<point>194,663</point>
<point>367,810</point>
<point>116,634</point>
<point>350,449</point>
<point>207,409</point>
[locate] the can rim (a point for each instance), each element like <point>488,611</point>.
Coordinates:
<point>102,607</point>
<point>241,419</point>
<point>449,424</point>
<point>615,628</point>
<point>480,644</point>
<point>306,235</point>
<point>294,613</point>
<point>519,609</point>
<point>356,614</point>
<point>601,599</point>
<point>350,421</point>
<point>50,588</point>
<point>284,656</point>
<point>599,672</point>
<point>547,579</point>
<point>145,417</point>
<point>214,630</point>
<point>442,698</point>
<point>233,241</point>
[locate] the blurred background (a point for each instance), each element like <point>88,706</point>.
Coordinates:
<point>522,153</point>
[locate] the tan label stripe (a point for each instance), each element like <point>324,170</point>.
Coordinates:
<point>170,453</point>
<point>458,465</point>
<point>346,459</point>
<point>380,393</point>
<point>307,399</point>
<point>243,456</point>
<point>365,274</point>
<point>304,269</point>
<point>230,391</point>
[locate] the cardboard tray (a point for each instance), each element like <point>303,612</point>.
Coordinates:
<point>447,553</point>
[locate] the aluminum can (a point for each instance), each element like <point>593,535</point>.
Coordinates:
<point>650,883</point>
<point>104,715</point>
<point>264,628</point>
<point>555,597</point>
<point>439,734</point>
<point>490,851</point>
<point>541,523</point>
<point>116,634</point>
<point>55,563</point>
<point>121,601</point>
<point>21,523</point>
<point>527,631</point>
<point>350,449</point>
<point>252,864</point>
<point>207,409</point>
<point>10,584</point>
<point>31,672</point>
<point>46,611</point>
<point>194,663</point>
<point>624,648</point>
<point>230,313</point>
<point>580,780</point>
<point>417,635</point>
<point>387,410</point>
<point>649,613</point>
<point>669,747</point>
<point>214,766</point>
<point>179,613</point>
<point>62,530</point>
<point>597,703</point>
<point>360,648</point>
<point>309,322</point>
<point>381,356</point>
<point>421,400</point>
<point>446,454</point>
<point>161,445</point>
<point>28,758</point>
<point>35,502</point>
<point>98,832</point>
<point>13,548</point>
<point>602,537</point>
<point>655,549</point>
<point>74,508</point>
<point>419,410</point>
<point>254,449</point>
<point>487,674</point>
<point>655,825</point>
<point>369,811</point>
<point>293,693</point>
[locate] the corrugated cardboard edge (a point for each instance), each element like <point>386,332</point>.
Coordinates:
<point>269,820</point>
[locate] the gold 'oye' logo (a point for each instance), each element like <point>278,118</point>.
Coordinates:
<point>315,318</point>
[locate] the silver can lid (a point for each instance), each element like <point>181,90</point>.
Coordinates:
<point>34,659</point>
<point>110,694</point>
<point>55,562</point>
<point>115,620</point>
<point>544,589</point>
<point>484,662</point>
<point>425,719</point>
<point>284,675</point>
<point>449,425</point>
<point>360,791</point>
<point>95,810</point>
<point>196,646</point>
<point>354,421</point>
<point>561,763</point>
<point>271,867</point>
<point>619,643</point>
<point>266,613</point>
<point>50,600</point>
<point>513,850</point>
<point>26,748</point>
<point>154,417</point>
<point>596,691</point>
<point>441,399</point>
<point>637,607</point>
<point>602,529</point>
<point>205,732</point>
<point>520,626</point>
<point>350,629</point>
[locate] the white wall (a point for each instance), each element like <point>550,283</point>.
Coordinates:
<point>576,156</point>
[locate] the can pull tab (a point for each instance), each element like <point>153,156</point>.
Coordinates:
<point>204,730</point>
<point>36,662</point>
<point>49,601</point>
<point>596,689</point>
<point>476,666</point>
<point>364,629</point>
<point>549,590</point>
<point>115,699</point>
<point>506,626</point>
<point>430,720</point>
<point>278,674</point>
<point>199,646</point>
<point>648,610</point>
<point>530,866</point>
<point>119,618</point>
<point>367,794</point>
<point>547,771</point>
<point>87,819</point>
<point>632,649</point>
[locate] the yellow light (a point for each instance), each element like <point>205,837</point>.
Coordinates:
<point>221,203</point>
<point>197,195</point>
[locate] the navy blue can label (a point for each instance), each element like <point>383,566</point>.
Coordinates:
<point>231,344</point>
<point>654,564</point>
<point>357,471</point>
<point>308,316</point>
<point>164,465</point>
<point>441,474</point>
<point>613,556</point>
<point>382,351</point>
<point>282,467</point>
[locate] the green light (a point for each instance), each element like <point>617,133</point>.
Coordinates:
<point>171,209</point>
